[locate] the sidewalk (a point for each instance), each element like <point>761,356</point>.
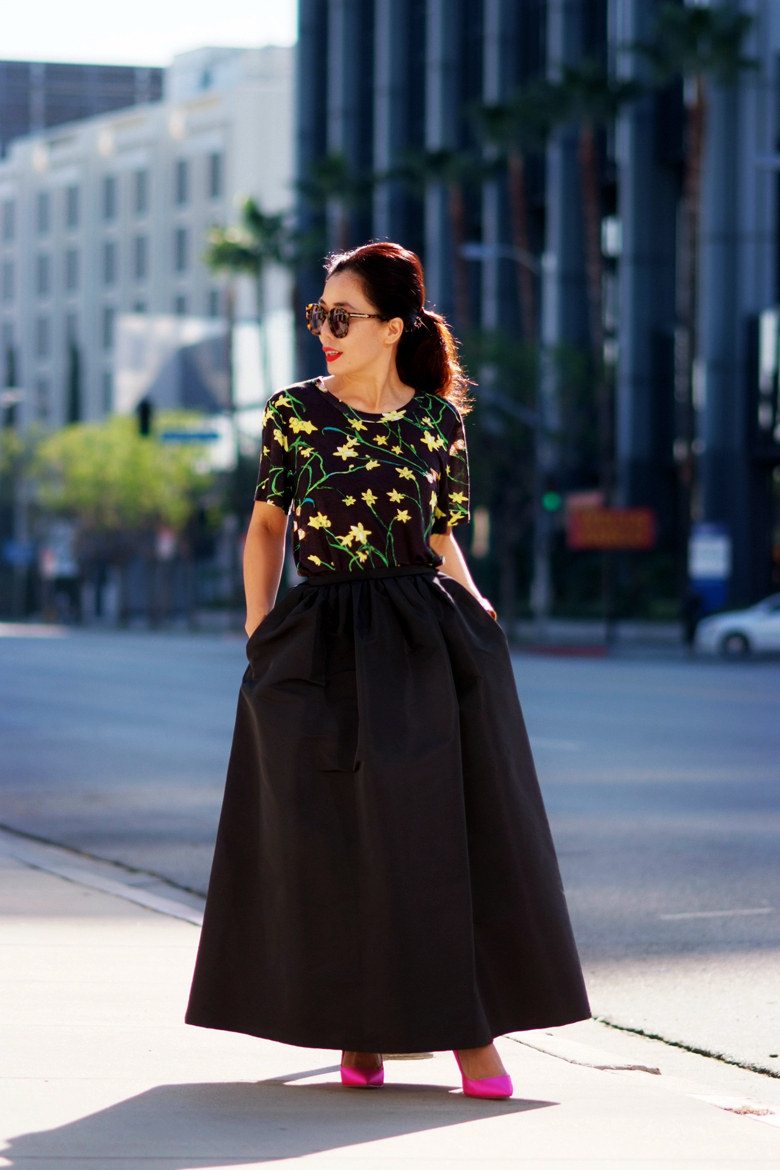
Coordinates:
<point>99,1071</point>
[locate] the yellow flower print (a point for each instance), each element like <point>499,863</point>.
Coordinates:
<point>438,513</point>
<point>372,463</point>
<point>370,498</point>
<point>362,556</point>
<point>428,422</point>
<point>359,533</point>
<point>306,451</point>
<point>396,496</point>
<point>316,560</point>
<point>396,450</point>
<point>431,476</point>
<point>283,400</point>
<point>281,439</point>
<point>432,442</point>
<point>458,445</point>
<point>393,415</point>
<point>347,540</point>
<point>349,500</point>
<point>301,533</point>
<point>434,497</point>
<point>358,424</point>
<point>347,451</point>
<point>265,450</point>
<point>458,498</point>
<point>319,521</point>
<point>402,514</point>
<point>405,472</point>
<point>302,424</point>
<point>381,440</point>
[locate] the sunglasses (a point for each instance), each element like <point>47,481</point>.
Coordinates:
<point>338,319</point>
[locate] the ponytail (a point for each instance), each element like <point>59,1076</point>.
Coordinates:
<point>427,359</point>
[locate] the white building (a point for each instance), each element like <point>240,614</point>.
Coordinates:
<point>109,215</point>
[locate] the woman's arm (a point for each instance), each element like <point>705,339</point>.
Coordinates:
<point>263,561</point>
<point>445,544</point>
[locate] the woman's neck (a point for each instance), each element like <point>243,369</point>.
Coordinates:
<point>373,393</point>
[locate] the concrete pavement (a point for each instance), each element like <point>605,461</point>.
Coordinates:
<point>99,1070</point>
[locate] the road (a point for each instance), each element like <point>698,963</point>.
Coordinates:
<point>661,776</point>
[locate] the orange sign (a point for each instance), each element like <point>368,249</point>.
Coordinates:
<point>610,528</point>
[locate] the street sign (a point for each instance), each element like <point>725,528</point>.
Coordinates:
<point>189,436</point>
<point>610,528</point>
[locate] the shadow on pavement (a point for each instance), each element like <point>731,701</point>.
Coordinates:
<point>224,1124</point>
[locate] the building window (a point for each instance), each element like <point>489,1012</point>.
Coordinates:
<point>139,306</point>
<point>42,213</point>
<point>71,328</point>
<point>213,302</point>
<point>72,207</point>
<point>109,262</point>
<point>107,330</point>
<point>180,305</point>
<point>215,175</point>
<point>8,226</point>
<point>42,337</point>
<point>108,392</point>
<point>109,197</point>
<point>43,274</point>
<point>140,257</point>
<point>181,186</point>
<point>141,192</point>
<point>181,247</point>
<point>71,269</point>
<point>7,281</point>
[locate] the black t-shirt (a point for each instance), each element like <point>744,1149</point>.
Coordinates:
<point>367,490</point>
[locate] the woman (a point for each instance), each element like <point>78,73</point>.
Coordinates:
<point>384,877</point>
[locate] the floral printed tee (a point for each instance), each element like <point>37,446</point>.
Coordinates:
<point>367,490</point>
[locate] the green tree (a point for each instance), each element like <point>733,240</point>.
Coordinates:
<point>332,184</point>
<point>114,482</point>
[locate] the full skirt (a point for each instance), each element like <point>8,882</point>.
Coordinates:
<point>384,877</point>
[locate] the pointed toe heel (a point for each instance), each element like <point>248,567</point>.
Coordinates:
<point>486,1088</point>
<point>362,1078</point>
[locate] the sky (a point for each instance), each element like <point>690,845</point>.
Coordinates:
<point>140,32</point>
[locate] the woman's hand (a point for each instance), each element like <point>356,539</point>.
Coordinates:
<point>488,605</point>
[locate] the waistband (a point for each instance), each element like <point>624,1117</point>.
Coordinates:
<point>371,574</point>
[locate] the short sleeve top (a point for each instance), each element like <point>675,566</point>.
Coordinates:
<point>366,490</point>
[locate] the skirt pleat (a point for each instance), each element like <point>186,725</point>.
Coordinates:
<point>384,878</point>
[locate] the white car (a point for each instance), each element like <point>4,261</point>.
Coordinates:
<point>742,631</point>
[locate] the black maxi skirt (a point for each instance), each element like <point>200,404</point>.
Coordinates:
<point>384,878</point>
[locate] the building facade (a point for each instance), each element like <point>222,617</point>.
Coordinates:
<point>384,87</point>
<point>109,215</point>
<point>35,95</point>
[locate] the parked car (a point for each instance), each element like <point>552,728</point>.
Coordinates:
<point>740,632</point>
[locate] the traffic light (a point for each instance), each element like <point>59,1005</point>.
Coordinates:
<point>552,499</point>
<point>144,412</point>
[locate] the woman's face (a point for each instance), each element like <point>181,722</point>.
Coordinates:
<point>368,340</point>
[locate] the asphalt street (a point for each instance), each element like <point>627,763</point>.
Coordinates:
<point>661,776</point>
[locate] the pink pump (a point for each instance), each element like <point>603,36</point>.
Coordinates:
<point>362,1078</point>
<point>488,1088</point>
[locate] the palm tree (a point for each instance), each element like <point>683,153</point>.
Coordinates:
<point>247,249</point>
<point>518,127</point>
<point>453,170</point>
<point>591,97</point>
<point>701,46</point>
<point>333,183</point>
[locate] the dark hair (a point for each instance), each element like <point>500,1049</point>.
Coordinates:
<point>393,280</point>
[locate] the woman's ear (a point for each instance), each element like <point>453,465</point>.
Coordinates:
<point>395,328</point>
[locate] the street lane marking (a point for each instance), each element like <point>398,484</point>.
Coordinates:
<point>718,913</point>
